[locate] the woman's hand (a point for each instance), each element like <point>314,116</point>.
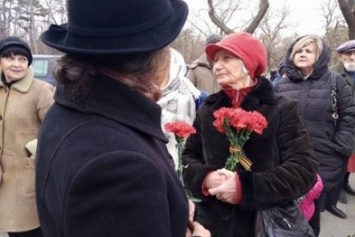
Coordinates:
<point>198,231</point>
<point>214,179</point>
<point>195,228</point>
<point>226,192</point>
<point>191,211</point>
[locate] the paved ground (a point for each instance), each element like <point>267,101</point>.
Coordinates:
<point>332,226</point>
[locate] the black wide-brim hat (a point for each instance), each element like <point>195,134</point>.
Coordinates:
<point>117,26</point>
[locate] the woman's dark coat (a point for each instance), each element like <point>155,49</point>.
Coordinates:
<point>284,141</point>
<point>332,144</point>
<point>103,168</point>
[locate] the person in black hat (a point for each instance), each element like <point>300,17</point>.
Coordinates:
<point>346,67</point>
<point>200,72</point>
<point>24,101</point>
<point>103,168</point>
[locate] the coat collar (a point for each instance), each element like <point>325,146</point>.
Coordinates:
<point>263,93</point>
<point>24,84</point>
<point>114,100</point>
<point>339,67</point>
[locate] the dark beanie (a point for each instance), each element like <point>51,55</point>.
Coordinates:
<point>16,42</point>
<point>214,38</point>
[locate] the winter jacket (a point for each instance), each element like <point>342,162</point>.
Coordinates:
<point>200,74</point>
<point>103,168</point>
<point>332,143</point>
<point>339,68</point>
<point>23,107</point>
<point>284,164</point>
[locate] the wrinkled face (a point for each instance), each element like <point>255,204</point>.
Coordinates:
<point>228,71</point>
<point>305,58</point>
<point>14,67</point>
<point>348,59</point>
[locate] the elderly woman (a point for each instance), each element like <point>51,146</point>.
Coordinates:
<point>283,162</point>
<point>103,167</point>
<point>24,102</point>
<point>308,82</point>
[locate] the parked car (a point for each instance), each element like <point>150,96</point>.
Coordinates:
<point>43,66</point>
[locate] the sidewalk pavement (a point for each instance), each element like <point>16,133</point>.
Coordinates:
<point>331,226</point>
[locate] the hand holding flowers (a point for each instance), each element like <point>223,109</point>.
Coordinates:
<point>238,125</point>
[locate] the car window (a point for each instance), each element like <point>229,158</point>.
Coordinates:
<point>41,67</point>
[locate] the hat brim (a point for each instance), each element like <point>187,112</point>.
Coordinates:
<point>150,40</point>
<point>212,49</point>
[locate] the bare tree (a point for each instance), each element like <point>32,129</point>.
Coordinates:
<point>347,8</point>
<point>221,17</point>
<point>189,45</point>
<point>57,11</point>
<point>336,31</point>
<point>2,19</point>
<point>263,7</point>
<point>271,27</point>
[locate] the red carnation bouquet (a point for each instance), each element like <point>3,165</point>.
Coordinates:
<point>238,125</point>
<point>181,131</point>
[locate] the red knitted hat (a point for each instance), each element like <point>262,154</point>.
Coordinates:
<point>244,46</point>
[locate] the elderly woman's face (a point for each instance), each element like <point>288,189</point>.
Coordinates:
<point>305,58</point>
<point>14,67</point>
<point>228,71</point>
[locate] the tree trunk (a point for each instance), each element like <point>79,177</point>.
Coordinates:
<point>263,6</point>
<point>215,19</point>
<point>347,8</point>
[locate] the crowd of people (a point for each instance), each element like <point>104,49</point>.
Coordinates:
<point>105,166</point>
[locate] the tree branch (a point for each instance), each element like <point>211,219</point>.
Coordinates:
<point>263,7</point>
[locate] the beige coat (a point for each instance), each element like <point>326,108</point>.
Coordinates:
<point>200,74</point>
<point>22,109</point>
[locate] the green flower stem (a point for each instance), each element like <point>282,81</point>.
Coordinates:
<point>180,147</point>
<point>237,139</point>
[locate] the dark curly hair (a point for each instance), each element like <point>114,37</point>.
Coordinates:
<point>77,72</point>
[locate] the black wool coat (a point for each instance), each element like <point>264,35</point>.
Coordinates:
<point>284,164</point>
<point>103,168</point>
<point>332,144</point>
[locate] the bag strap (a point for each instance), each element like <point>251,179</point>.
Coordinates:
<point>333,85</point>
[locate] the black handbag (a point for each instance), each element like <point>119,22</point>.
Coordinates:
<point>282,221</point>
